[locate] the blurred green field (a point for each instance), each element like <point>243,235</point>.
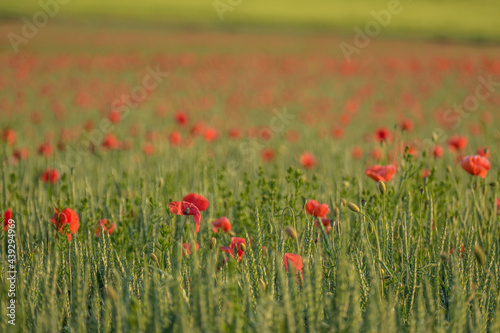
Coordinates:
<point>443,19</point>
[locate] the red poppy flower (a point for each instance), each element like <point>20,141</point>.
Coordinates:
<point>186,208</point>
<point>381,173</point>
<point>199,201</point>
<point>293,136</point>
<point>426,173</point>
<point>9,136</point>
<point>407,125</point>
<point>6,217</point>
<point>210,134</point>
<point>457,142</point>
<point>187,248</point>
<point>175,138</point>
<point>476,165</point>
<point>326,223</point>
<point>484,151</point>
<point>382,134</point>
<point>50,175</point>
<point>267,155</point>
<point>357,152</point>
<point>21,153</point>
<point>221,223</point>
<point>148,148</point>
<point>44,149</point>
<point>376,153</point>
<point>103,223</point>
<point>115,116</point>
<point>181,118</point>
<point>66,217</point>
<point>234,134</point>
<point>296,261</point>
<point>308,160</point>
<point>235,242</point>
<point>110,142</point>
<point>438,151</point>
<point>316,209</point>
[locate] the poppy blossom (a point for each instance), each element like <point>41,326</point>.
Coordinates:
<point>181,118</point>
<point>381,173</point>
<point>426,173</point>
<point>438,151</point>
<point>315,209</point>
<point>234,133</point>
<point>357,153</point>
<point>221,223</point>
<point>236,242</point>
<point>210,134</point>
<point>308,160</point>
<point>66,217</point>
<point>187,248</point>
<point>110,142</point>
<point>296,261</point>
<point>267,155</point>
<point>21,153</point>
<point>382,134</point>
<point>148,148</point>
<point>376,153</point>
<point>476,165</point>
<point>407,125</point>
<point>103,223</point>
<point>115,116</point>
<point>198,200</point>
<point>186,208</point>
<point>50,175</point>
<point>457,142</point>
<point>6,217</point>
<point>44,149</point>
<point>484,151</point>
<point>175,138</point>
<point>9,136</point>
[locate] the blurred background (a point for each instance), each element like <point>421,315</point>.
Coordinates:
<point>463,20</point>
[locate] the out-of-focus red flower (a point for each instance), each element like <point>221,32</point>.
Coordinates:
<point>198,200</point>
<point>234,134</point>
<point>110,142</point>
<point>484,151</point>
<point>175,138</point>
<point>221,223</point>
<point>293,136</point>
<point>9,136</point>
<point>187,248</point>
<point>6,217</point>
<point>236,242</point>
<point>476,165</point>
<point>50,176</point>
<point>181,118</point>
<point>148,148</point>
<point>315,209</point>
<point>407,125</point>
<point>357,152</point>
<point>210,134</point>
<point>115,116</point>
<point>186,208</point>
<point>198,128</point>
<point>338,133</point>
<point>21,153</point>
<point>383,134</point>
<point>307,160</point>
<point>381,173</point>
<point>438,151</point>
<point>296,261</point>
<point>45,149</point>
<point>89,125</point>
<point>103,223</point>
<point>267,154</point>
<point>457,142</point>
<point>66,217</point>
<point>426,173</point>
<point>376,153</point>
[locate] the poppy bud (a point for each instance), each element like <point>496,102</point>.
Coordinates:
<point>155,259</point>
<point>480,256</point>
<point>381,187</point>
<point>243,247</point>
<point>231,233</point>
<point>291,232</point>
<point>336,211</point>
<point>343,202</point>
<point>434,137</point>
<point>353,207</point>
<point>346,184</point>
<point>212,243</point>
<point>448,168</point>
